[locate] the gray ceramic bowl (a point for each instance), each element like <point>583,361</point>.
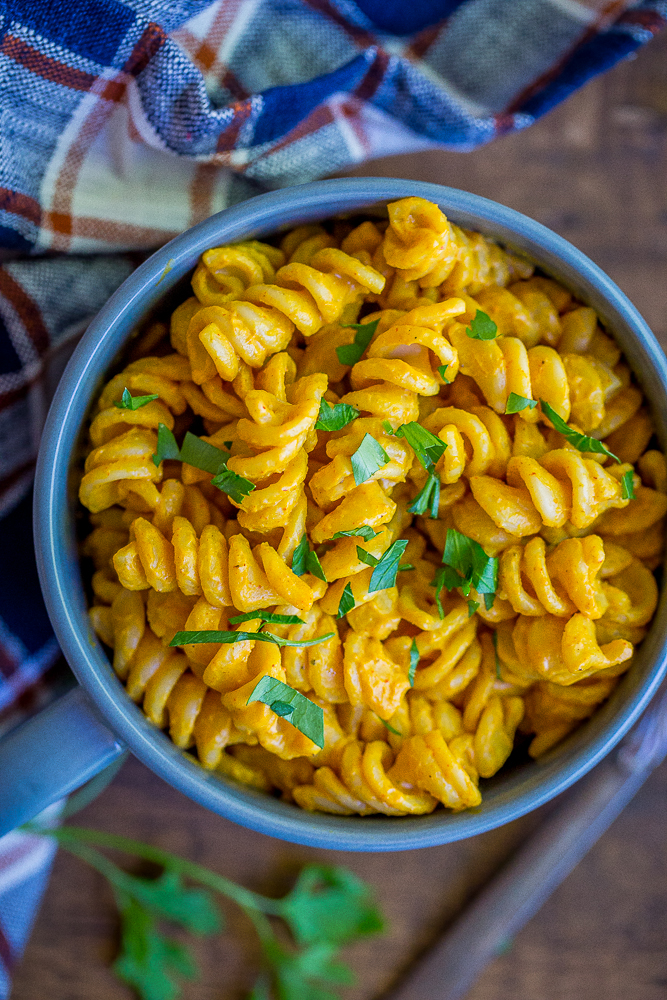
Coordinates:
<point>505,797</point>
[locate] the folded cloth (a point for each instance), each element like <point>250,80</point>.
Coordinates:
<point>126,121</point>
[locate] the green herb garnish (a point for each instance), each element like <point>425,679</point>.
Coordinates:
<point>196,638</point>
<point>427,446</point>
<point>516,403</point>
<point>466,565</point>
<point>582,442</point>
<point>384,573</point>
<point>482,327</point>
<point>304,714</point>
<point>166,445</point>
<point>195,451</point>
<point>266,616</point>
<point>363,531</point>
<point>389,727</point>
<point>428,497</point>
<point>236,487</point>
<point>628,485</point>
<point>414,660</point>
<point>441,372</point>
<point>349,354</point>
<point>368,459</point>
<point>366,557</point>
<point>346,602</point>
<point>326,908</point>
<point>334,418</point>
<point>472,608</point>
<point>130,402</point>
<point>305,560</point>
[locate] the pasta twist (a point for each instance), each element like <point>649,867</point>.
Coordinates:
<point>224,273</point>
<point>562,582</point>
<point>562,487</point>
<point>362,785</point>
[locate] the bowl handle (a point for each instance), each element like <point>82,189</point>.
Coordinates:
<point>50,755</point>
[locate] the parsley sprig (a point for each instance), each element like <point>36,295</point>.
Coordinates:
<point>210,635</point>
<point>328,907</point>
<point>204,456</point>
<point>305,560</point>
<point>290,704</point>
<point>428,449</point>
<point>582,442</point>
<point>482,327</point>
<point>335,417</point>
<point>628,485</point>
<point>129,402</point>
<point>466,565</point>
<point>368,459</point>
<point>349,354</point>
<point>516,403</point>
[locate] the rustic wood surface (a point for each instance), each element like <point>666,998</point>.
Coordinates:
<point>595,170</point>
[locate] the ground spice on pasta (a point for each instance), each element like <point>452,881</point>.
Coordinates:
<point>418,472</point>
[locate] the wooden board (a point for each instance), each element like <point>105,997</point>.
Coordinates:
<point>595,170</point>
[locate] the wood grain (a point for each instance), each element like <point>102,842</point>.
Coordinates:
<point>595,170</point>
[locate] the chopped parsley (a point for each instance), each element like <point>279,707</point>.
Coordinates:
<point>516,403</point>
<point>130,402</point>
<point>482,327</point>
<point>335,417</point>
<point>582,442</point>
<point>305,560</point>
<point>346,602</point>
<point>290,704</point>
<point>368,459</point>
<point>349,354</point>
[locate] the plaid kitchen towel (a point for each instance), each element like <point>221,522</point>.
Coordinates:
<point>122,122</point>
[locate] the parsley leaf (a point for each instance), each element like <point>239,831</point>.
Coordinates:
<point>349,354</point>
<point>428,497</point>
<point>195,451</point>
<point>305,716</point>
<point>482,327</point>
<point>366,557</point>
<point>445,578</point>
<point>472,608</point>
<point>236,487</point>
<point>166,445</point>
<point>414,660</point>
<point>466,565</point>
<point>196,638</point>
<point>428,448</point>
<point>389,727</point>
<point>346,602</point>
<point>441,372</point>
<point>469,559</point>
<point>148,960</point>
<point>384,574</point>
<point>266,616</point>
<point>516,403</point>
<point>368,459</point>
<point>627,485</point>
<point>329,904</point>
<point>334,418</point>
<point>363,531</point>
<point>130,402</point>
<point>580,441</point>
<point>305,560</point>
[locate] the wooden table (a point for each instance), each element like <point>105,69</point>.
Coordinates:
<point>595,170</point>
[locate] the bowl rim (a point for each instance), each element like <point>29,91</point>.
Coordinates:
<point>58,561</point>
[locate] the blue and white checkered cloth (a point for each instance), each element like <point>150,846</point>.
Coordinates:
<point>123,122</point>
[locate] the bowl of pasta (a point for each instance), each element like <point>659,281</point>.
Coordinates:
<point>349,511</point>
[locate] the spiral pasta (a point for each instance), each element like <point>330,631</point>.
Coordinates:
<point>383,519</point>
